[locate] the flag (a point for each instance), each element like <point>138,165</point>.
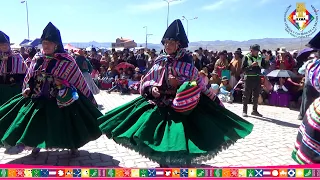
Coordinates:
<point>68,173</point>
<point>299,173</point>
<point>20,172</point>
<point>209,172</point>
<point>307,173</point>
<point>76,172</point>
<point>226,173</point>
<point>242,173</point>
<point>12,173</point>
<point>218,173</point>
<point>44,173</point>
<point>175,172</point>
<point>184,172</point>
<point>275,173</point>
<point>27,173</point>
<point>159,173</point>
<point>266,173</point>
<point>3,172</point>
<point>143,172</point>
<point>36,173</point>
<point>283,173</point>
<point>52,173</point>
<point>118,172</point>
<point>85,173</point>
<point>60,173</point>
<point>135,173</point>
<point>168,173</point>
<point>93,172</point>
<point>192,172</point>
<point>113,173</point>
<point>127,173</point>
<point>315,172</point>
<point>151,173</point>
<point>234,172</point>
<point>291,173</point>
<point>201,173</point>
<point>258,173</point>
<point>250,173</point>
<point>102,173</point>
<point>23,2</point>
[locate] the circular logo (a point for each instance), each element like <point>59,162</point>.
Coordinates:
<point>301,22</point>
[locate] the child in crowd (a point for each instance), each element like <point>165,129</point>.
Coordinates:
<point>226,91</point>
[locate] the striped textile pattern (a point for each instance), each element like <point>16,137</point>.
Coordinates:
<point>65,68</point>
<point>182,70</point>
<point>18,65</point>
<point>307,145</point>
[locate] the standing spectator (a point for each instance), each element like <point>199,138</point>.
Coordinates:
<point>142,60</point>
<point>251,66</point>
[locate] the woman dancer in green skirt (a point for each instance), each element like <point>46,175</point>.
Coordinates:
<point>56,108</point>
<point>177,120</point>
<point>12,70</point>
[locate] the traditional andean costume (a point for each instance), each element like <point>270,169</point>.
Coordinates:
<point>59,112</point>
<point>187,123</point>
<point>307,145</point>
<point>12,71</point>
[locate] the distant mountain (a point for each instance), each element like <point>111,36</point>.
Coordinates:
<point>229,45</point>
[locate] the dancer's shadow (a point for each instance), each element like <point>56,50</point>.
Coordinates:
<point>64,158</point>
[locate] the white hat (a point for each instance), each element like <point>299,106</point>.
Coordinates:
<point>282,50</point>
<point>214,86</point>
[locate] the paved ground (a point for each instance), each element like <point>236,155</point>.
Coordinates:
<point>270,143</point>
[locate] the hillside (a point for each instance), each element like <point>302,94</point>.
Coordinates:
<point>266,43</point>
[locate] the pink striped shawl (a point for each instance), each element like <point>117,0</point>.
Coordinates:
<point>65,68</point>
<point>18,65</point>
<point>182,70</point>
<point>313,70</point>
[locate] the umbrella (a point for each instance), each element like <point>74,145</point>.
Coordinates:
<point>281,73</point>
<point>304,54</point>
<point>124,65</point>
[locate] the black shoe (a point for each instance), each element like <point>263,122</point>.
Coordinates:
<point>300,117</point>
<point>244,114</point>
<point>256,113</point>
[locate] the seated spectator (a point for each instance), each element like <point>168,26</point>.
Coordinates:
<point>214,78</point>
<point>204,75</point>
<point>226,91</point>
<point>279,86</point>
<point>266,88</point>
<point>280,95</point>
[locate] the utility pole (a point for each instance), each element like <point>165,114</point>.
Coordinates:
<point>146,27</point>
<point>184,18</point>
<point>168,2</point>
<point>26,2</point>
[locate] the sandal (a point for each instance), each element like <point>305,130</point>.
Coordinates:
<point>35,152</point>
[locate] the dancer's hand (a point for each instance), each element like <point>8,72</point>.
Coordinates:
<point>155,92</point>
<point>26,92</point>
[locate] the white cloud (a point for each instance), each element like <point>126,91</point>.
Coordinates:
<point>218,5</point>
<point>153,5</point>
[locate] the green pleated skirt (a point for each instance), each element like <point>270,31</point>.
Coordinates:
<point>8,91</point>
<point>41,123</point>
<point>168,137</point>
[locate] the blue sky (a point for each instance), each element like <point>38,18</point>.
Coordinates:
<point>106,20</point>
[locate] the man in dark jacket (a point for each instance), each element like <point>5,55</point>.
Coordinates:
<point>252,63</point>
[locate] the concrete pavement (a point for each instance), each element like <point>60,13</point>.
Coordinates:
<point>270,143</point>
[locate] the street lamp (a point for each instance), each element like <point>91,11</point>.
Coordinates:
<point>169,1</point>
<point>184,18</point>
<point>26,2</point>
<point>146,27</point>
